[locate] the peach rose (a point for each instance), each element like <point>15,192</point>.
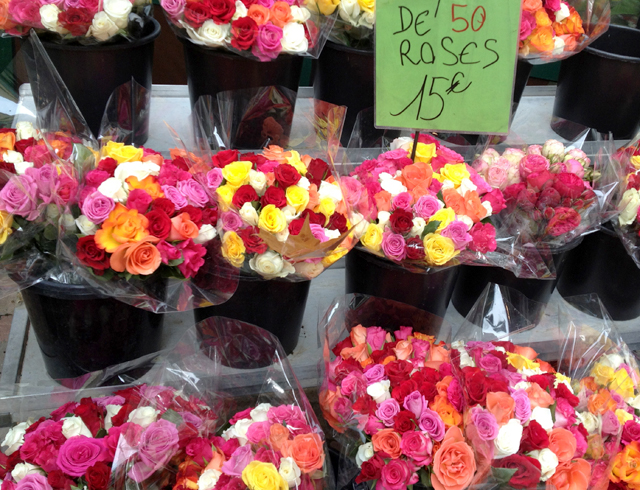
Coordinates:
<point>281,14</point>
<point>542,39</point>
<point>473,206</point>
<point>443,385</point>
<point>501,406</point>
<point>153,158</point>
<point>358,335</point>
<point>387,441</point>
<point>217,460</point>
<point>449,415</point>
<point>570,43</point>
<point>403,350</point>
<point>563,444</point>
<point>139,258</point>
<point>573,475</point>
<point>359,352</point>
<point>454,463</point>
<point>589,383</point>
<point>182,228</point>
<point>531,5</point>
<point>259,14</point>
<point>327,399</point>
<point>601,402</point>
<point>306,450</point>
<point>527,352</point>
<point>273,152</point>
<point>383,201</point>
<point>7,141</point>
<point>278,435</point>
<point>417,174</point>
<point>314,198</point>
<point>539,397</point>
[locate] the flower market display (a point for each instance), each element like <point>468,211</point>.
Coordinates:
<point>354,24</point>
<point>282,214</point>
<point>84,21</point>
<point>627,224</point>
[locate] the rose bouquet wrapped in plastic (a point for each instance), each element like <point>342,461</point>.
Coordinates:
<point>354,24</point>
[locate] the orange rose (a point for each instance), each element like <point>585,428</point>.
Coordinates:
<point>595,447</point>
<point>531,5</point>
<point>388,441</point>
<point>388,359</point>
<point>570,25</point>
<point>527,352</point>
<point>314,198</point>
<point>601,402</point>
<point>443,385</point>
<point>449,415</point>
<point>469,205</point>
<point>454,463</point>
<point>306,450</point>
<point>545,367</point>
<point>122,226</point>
<point>7,141</point>
<point>383,201</point>
<point>281,14</point>
<point>539,397</point>
<point>149,184</point>
<point>541,39</point>
<point>278,435</point>
<point>542,19</point>
<point>454,200</point>
<point>501,406</point>
<point>439,354</point>
<point>427,338</point>
<point>327,400</point>
<point>573,475</point>
<point>418,191</point>
<point>153,158</point>
<point>626,466</point>
<point>417,174</point>
<point>570,43</point>
<point>274,152</point>
<point>217,460</point>
<point>260,15</point>
<point>182,228</point>
<point>403,350</point>
<point>589,383</point>
<point>5,23</point>
<point>59,146</point>
<point>140,259</point>
<point>563,444</point>
<point>360,352</point>
<point>358,335</point>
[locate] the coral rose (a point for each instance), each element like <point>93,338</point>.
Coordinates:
<point>563,444</point>
<point>387,441</point>
<point>278,435</point>
<point>454,463</point>
<point>307,451</point>
<point>573,475</point>
<point>501,406</point>
<point>182,228</point>
<point>141,258</point>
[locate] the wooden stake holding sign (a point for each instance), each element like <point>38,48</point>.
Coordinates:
<point>446,65</point>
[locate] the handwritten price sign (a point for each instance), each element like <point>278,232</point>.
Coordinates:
<point>446,65</point>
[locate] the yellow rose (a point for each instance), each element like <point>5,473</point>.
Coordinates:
<point>424,152</point>
<point>623,416</point>
<point>520,362</point>
<point>121,153</point>
<point>602,374</point>
<point>263,476</point>
<point>635,161</point>
<point>272,219</point>
<point>370,6</point>
<point>326,7</point>
<point>326,207</point>
<point>225,196</point>
<point>297,197</point>
<point>445,216</point>
<point>295,161</point>
<point>439,249</point>
<point>237,173</point>
<point>329,260</point>
<point>233,248</point>
<point>622,384</point>
<point>372,238</point>
<point>454,172</point>
<point>6,221</point>
<point>561,378</point>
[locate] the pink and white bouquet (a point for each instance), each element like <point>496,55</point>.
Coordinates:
<point>627,224</point>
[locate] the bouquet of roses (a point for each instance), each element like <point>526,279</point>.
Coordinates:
<point>263,29</point>
<point>552,30</point>
<point>355,22</point>
<point>627,225</point>
<point>85,21</point>
<point>282,214</point>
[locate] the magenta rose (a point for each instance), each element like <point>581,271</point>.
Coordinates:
<point>485,423</point>
<point>523,405</point>
<point>239,460</point>
<point>258,431</point>
<point>630,432</point>
<point>484,238</point>
<point>140,200</point>
<point>420,348</point>
<point>214,178</point>
<point>527,24</point>
<point>175,196</point>
<point>552,5</point>
<point>355,384</point>
<point>19,196</point>
<point>426,206</point>
<point>34,481</point>
<point>457,231</point>
<point>373,425</point>
<point>168,252</point>
<point>568,185</point>
<point>375,373</point>
<point>387,411</point>
<point>376,337</point>
<point>393,246</point>
<point>564,220</point>
<point>158,444</point>
<point>417,446</point>
<point>268,45</point>
<point>194,192</point>
<point>496,199</point>
<point>173,8</point>
<point>97,207</point>
<point>491,364</point>
<point>431,423</point>
<point>91,5</point>
<point>397,474</point>
<point>193,254</point>
<point>318,232</point>
<point>79,453</point>
<point>268,456</point>
<point>581,442</point>
<point>455,395</point>
<point>532,163</point>
<point>96,177</point>
<point>402,201</point>
<point>231,221</point>
<point>26,12</point>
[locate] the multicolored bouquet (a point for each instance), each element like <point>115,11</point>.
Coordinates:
<point>355,22</point>
<point>85,21</point>
<point>426,211</point>
<point>263,29</point>
<point>627,225</point>
<point>282,214</point>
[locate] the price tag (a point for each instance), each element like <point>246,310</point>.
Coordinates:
<point>446,65</point>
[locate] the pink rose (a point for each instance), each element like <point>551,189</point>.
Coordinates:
<point>610,423</point>
<point>171,175</point>
<point>25,12</point>
<point>175,196</point>
<point>240,458</point>
<point>491,364</point>
<point>373,426</point>
<point>318,232</point>
<point>387,411</point>
<point>532,163</point>
<point>457,231</point>
<point>194,192</point>
<point>484,238</point>
<point>258,431</point>
<point>96,177</point>
<point>355,383</point>
<point>527,24</point>
<point>173,8</point>
<point>140,200</point>
<point>193,254</point>
<point>397,474</point>
<point>91,5</point>
<point>569,185</point>
<point>39,155</point>
<point>214,178</point>
<point>496,177</point>
<point>565,414</point>
<point>352,189</point>
<point>485,423</point>
<point>564,220</point>
<point>431,423</point>
<point>415,403</point>
<point>245,414</point>
<point>376,337</point>
<point>158,444</point>
<point>34,481</point>
<point>443,156</point>
<point>581,442</point>
<point>417,446</point>
<point>552,5</point>
<point>168,252</point>
<point>523,405</point>
<point>285,414</point>
<point>496,199</point>
<point>539,180</point>
<point>403,333</point>
<point>79,453</point>
<point>420,348</point>
<point>19,196</point>
<point>575,167</point>
<point>374,372</point>
<point>455,395</point>
<point>477,180</point>
<point>394,246</point>
<point>534,150</point>
<point>268,456</point>
<point>402,201</point>
<point>426,206</point>
<point>97,207</point>
<point>231,221</point>
<point>267,45</point>
<point>343,409</point>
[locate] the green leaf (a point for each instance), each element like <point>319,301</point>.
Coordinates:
<point>440,196</point>
<point>173,417</point>
<point>553,411</point>
<point>51,233</point>
<point>431,227</point>
<point>101,433</point>
<point>425,477</point>
<point>173,263</point>
<point>503,475</point>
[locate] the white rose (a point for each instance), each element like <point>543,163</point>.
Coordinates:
<point>102,27</point>
<point>447,184</point>
<point>260,413</point>
<point>465,186</point>
<point>241,11</point>
<point>206,234</point>
<point>21,167</point>
<point>300,14</point>
<point>68,221</point>
<point>367,19</point>
<point>548,462</point>
<point>140,170</point>
<point>359,225</point>
<point>309,269</point>
<point>230,433</point>
<point>331,234</point>
<point>208,479</point>
<point>74,426</point>
<point>508,440</point>
<point>14,438</point>
<point>331,191</point>
<point>294,39</point>
<point>23,469</point>
<point>52,212</point>
<point>385,176</point>
<point>258,181</point>
<point>85,226</point>
<point>290,213</point>
<point>379,391</point>
<point>25,130</point>
<point>14,157</point>
<point>282,236</point>
<point>118,11</point>
<point>49,18</point>
<point>249,214</point>
<point>290,471</point>
<point>634,402</point>
<point>383,218</point>
<point>466,220</point>
<point>112,410</point>
<point>501,349</point>
<point>543,417</point>
<point>144,416</point>
<point>304,182</point>
<point>209,34</point>
<point>365,453</point>
<point>114,189</point>
<point>349,11</point>
<point>418,227</point>
<point>558,45</point>
<point>628,207</point>
<point>466,359</point>
<point>591,422</point>
<point>487,205</point>
<point>404,143</point>
<point>270,265</point>
<point>563,13</point>
<point>612,360</point>
<point>553,150</point>
<point>241,427</point>
<point>522,385</point>
<point>393,187</point>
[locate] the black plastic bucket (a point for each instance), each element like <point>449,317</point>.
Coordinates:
<point>276,306</point>
<point>601,265</point>
<point>600,87</point>
<point>93,73</point>
<point>80,331</point>
<point>210,71</point>
<point>368,274</point>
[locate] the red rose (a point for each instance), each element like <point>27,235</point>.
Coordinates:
<point>543,380</point>
<point>296,226</point>
<point>346,343</point>
<point>527,199</point>
<point>314,218</point>
<point>90,414</point>
<point>245,193</point>
<point>243,33</point>
<point>252,241</point>
<point>400,392</point>
<point>371,470</point>
<point>196,13</point>
<point>565,220</point>
<point>248,3</point>
<point>22,145</point>
<point>8,130</point>
<point>476,388</point>
<point>195,214</point>
<point>76,20</point>
<point>415,248</point>
<point>181,163</point>
<point>222,10</point>
<point>528,470</point>
<point>275,196</point>
<point>540,180</point>
<point>210,216</point>
<point>58,480</point>
<point>405,421</point>
<point>431,375</point>
<point>108,165</point>
<point>563,392</point>
<point>401,221</point>
<point>286,175</point>
<point>252,157</point>
<point>345,367</point>
<point>429,391</point>
<point>90,255</point>
<point>8,167</point>
<point>98,476</point>
<point>568,185</point>
<point>534,437</point>
<point>224,158</point>
<point>163,204</point>
<point>365,405</point>
<point>512,191</point>
<point>317,171</point>
<point>398,371</point>
<point>632,183</point>
<point>338,222</point>
<point>497,385</point>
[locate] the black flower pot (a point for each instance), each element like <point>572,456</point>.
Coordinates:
<point>92,73</point>
<point>601,265</point>
<point>276,306</point>
<point>372,275</point>
<point>600,87</point>
<point>80,331</point>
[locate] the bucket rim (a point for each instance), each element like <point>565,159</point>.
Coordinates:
<point>612,56</point>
